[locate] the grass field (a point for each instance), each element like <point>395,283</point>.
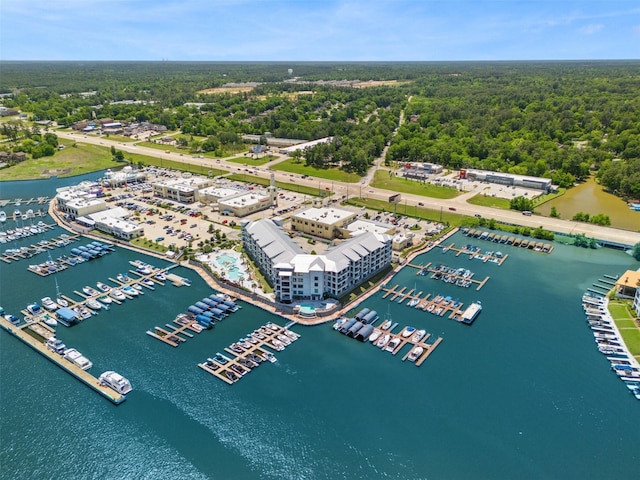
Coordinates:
<point>252,162</point>
<point>173,164</point>
<point>83,158</point>
<point>300,168</point>
<point>488,201</point>
<point>621,313</point>
<point>404,185</point>
<point>293,187</point>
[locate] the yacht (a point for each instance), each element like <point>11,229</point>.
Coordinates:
<point>3,216</point>
<point>56,345</point>
<point>221,359</point>
<point>386,324</point>
<point>117,294</point>
<point>115,381</point>
<point>49,304</point>
<point>75,357</point>
<point>408,331</point>
<point>339,322</point>
<point>147,282</point>
<point>383,340</point>
<point>375,335</point>
<point>90,291</point>
<point>49,320</point>
<point>93,304</point>
<point>34,309</point>
<point>123,278</point>
<point>413,302</point>
<point>128,290</point>
<point>103,287</point>
<point>270,357</point>
<point>284,339</point>
<point>231,375</point>
<point>105,299</point>
<point>415,353</point>
<point>160,276</point>
<point>277,344</point>
<point>418,335</point>
<point>62,302</point>
<point>210,364</point>
<point>393,344</point>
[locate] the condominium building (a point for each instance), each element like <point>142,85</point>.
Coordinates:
<point>297,275</point>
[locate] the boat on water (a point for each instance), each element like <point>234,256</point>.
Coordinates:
<point>105,299</point>
<point>408,331</point>
<point>418,335</point>
<point>415,353</point>
<point>269,357</point>
<point>339,323</point>
<point>3,216</point>
<point>103,287</point>
<point>160,276</point>
<point>277,344</point>
<point>123,278</point>
<point>55,345</point>
<point>94,304</point>
<point>148,282</point>
<point>117,295</point>
<point>470,314</point>
<point>49,320</point>
<point>59,300</point>
<point>413,302</point>
<point>129,290</point>
<point>386,324</point>
<point>231,375</point>
<point>49,304</point>
<point>393,344</point>
<point>90,291</point>
<point>383,340</point>
<point>35,309</point>
<point>115,381</point>
<point>221,359</point>
<point>75,357</point>
<point>284,339</point>
<point>211,364</point>
<point>375,335</point>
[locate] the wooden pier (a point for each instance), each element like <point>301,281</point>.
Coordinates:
<point>37,343</point>
<point>21,201</point>
<point>14,255</point>
<point>436,305</point>
<point>258,346</point>
<point>171,335</point>
<point>450,272</point>
<point>428,348</point>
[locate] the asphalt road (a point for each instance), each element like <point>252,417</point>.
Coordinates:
<point>364,190</point>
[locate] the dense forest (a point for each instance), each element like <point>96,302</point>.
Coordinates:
<point>561,120</point>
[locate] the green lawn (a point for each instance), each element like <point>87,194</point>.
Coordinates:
<point>252,162</point>
<point>83,158</point>
<point>405,185</point>
<point>294,187</point>
<point>489,201</point>
<point>626,324</point>
<point>293,166</point>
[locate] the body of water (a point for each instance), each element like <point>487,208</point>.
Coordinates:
<point>522,393</point>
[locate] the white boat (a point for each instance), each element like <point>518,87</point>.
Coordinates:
<point>3,216</point>
<point>269,356</point>
<point>117,294</point>
<point>34,309</point>
<point>49,304</point>
<point>106,299</point>
<point>386,324</point>
<point>375,335</point>
<point>408,331</point>
<point>59,300</point>
<point>49,320</point>
<point>103,287</point>
<point>90,291</point>
<point>148,282</point>
<point>393,344</point>
<point>339,323</point>
<point>382,341</point>
<point>115,381</point>
<point>137,286</point>
<point>56,345</point>
<point>284,339</point>
<point>75,357</point>
<point>123,278</point>
<point>93,304</point>
<point>418,335</point>
<point>415,353</point>
<point>128,290</point>
<point>277,344</point>
<point>160,276</point>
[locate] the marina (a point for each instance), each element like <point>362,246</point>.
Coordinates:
<point>16,254</point>
<point>249,352</point>
<point>19,232</point>
<point>44,200</point>
<point>460,277</point>
<point>495,237</point>
<point>38,339</point>
<point>81,254</point>
<point>439,305</point>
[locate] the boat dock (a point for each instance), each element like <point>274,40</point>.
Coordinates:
<point>475,253</point>
<point>37,343</point>
<point>20,201</point>
<point>238,358</point>
<point>16,254</point>
<point>437,305</point>
<point>459,277</point>
<point>182,325</point>
<point>403,340</point>
<point>531,244</point>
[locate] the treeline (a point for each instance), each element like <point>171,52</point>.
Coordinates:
<point>560,120</point>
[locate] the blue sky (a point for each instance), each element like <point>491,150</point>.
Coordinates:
<point>319,30</point>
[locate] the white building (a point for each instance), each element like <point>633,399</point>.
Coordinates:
<point>115,223</point>
<point>184,190</point>
<point>295,274</point>
<point>420,170</point>
<point>508,179</point>
<point>124,176</point>
<point>81,199</point>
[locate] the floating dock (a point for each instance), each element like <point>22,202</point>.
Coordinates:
<point>438,305</point>
<point>39,346</point>
<point>450,275</point>
<point>531,244</point>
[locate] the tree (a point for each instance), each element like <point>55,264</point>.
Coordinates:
<point>554,213</point>
<point>635,252</point>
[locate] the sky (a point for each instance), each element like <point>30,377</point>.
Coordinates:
<point>319,30</point>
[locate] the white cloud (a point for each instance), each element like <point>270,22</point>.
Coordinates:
<point>592,28</point>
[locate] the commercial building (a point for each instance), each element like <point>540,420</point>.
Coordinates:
<point>183,190</point>
<point>122,177</point>
<point>114,222</point>
<point>297,275</point>
<point>508,179</point>
<point>322,222</point>
<point>420,170</point>
<point>79,200</point>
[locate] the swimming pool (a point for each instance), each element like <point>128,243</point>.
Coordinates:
<point>226,260</point>
<point>234,273</point>
<point>307,310</point>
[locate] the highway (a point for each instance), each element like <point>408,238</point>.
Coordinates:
<point>363,189</point>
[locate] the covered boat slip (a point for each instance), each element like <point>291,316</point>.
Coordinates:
<point>39,346</point>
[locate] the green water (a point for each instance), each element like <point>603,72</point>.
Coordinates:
<point>588,197</point>
<point>522,393</point>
